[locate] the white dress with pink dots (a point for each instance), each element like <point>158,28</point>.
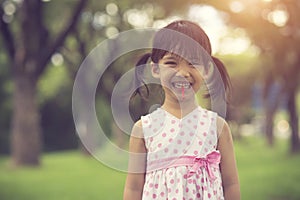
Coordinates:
<point>182,160</point>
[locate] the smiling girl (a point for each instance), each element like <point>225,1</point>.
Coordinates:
<point>181,150</point>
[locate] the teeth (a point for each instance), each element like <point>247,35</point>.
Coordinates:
<point>184,85</point>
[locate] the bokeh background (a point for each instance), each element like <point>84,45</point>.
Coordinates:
<point>43,43</point>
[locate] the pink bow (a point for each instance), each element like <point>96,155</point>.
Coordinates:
<point>212,160</point>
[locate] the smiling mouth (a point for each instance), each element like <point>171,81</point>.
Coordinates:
<point>180,85</point>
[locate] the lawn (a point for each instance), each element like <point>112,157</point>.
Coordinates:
<point>265,174</point>
<point>63,176</point>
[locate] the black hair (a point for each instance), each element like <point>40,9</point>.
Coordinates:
<point>185,39</point>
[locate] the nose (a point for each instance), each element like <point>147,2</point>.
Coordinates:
<point>183,71</point>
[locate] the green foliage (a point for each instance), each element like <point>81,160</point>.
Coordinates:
<point>57,123</point>
<point>104,115</point>
<point>56,14</point>
<point>241,65</point>
<point>244,71</point>
<point>54,95</point>
<point>52,81</point>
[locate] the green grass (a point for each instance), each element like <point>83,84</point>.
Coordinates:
<point>265,174</point>
<point>63,176</point>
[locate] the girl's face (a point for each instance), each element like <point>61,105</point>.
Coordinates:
<point>180,78</point>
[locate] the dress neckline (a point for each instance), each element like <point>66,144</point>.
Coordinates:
<point>182,118</point>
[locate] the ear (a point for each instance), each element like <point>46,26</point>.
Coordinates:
<point>155,70</point>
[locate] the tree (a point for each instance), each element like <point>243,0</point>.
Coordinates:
<point>29,45</point>
<point>97,22</point>
<point>272,25</point>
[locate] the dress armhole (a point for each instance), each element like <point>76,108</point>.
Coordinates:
<point>220,125</point>
<point>145,121</point>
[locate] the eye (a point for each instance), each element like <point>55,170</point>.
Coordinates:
<point>194,64</point>
<point>171,63</point>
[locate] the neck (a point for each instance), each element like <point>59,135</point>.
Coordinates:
<point>179,108</point>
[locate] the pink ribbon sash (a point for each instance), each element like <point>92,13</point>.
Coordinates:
<point>209,162</point>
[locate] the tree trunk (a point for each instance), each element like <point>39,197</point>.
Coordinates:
<point>292,109</point>
<point>271,103</point>
<point>269,125</point>
<point>29,50</point>
<point>26,130</point>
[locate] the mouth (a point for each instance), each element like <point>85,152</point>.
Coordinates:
<point>180,85</point>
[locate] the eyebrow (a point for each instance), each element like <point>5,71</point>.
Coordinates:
<point>171,57</point>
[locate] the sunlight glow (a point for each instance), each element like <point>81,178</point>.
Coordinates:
<point>101,20</point>
<point>231,45</point>
<point>138,18</point>
<point>236,6</point>
<point>278,17</point>
<point>112,9</point>
<point>162,23</point>
<point>111,32</point>
<point>57,59</point>
<point>224,40</point>
<point>211,21</point>
<point>9,8</point>
<point>283,126</point>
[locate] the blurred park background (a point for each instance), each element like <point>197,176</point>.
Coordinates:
<point>43,43</point>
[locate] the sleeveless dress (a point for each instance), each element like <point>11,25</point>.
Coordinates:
<point>182,160</point>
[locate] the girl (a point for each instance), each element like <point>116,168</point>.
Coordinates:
<point>180,150</point>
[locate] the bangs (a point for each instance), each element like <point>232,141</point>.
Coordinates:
<point>187,41</point>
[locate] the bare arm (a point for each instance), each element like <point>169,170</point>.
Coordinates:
<point>137,165</point>
<point>228,166</point>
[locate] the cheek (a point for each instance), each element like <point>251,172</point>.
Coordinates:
<point>199,82</point>
<point>165,81</point>
<point>199,75</point>
<point>166,75</point>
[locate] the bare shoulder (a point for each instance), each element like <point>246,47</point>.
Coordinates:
<point>138,124</point>
<point>137,143</point>
<point>136,164</point>
<point>137,130</point>
<point>228,163</point>
<point>223,128</point>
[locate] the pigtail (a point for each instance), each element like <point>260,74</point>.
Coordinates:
<point>224,75</point>
<point>139,83</point>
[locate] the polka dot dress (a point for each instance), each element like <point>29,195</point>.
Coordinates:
<point>182,160</point>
